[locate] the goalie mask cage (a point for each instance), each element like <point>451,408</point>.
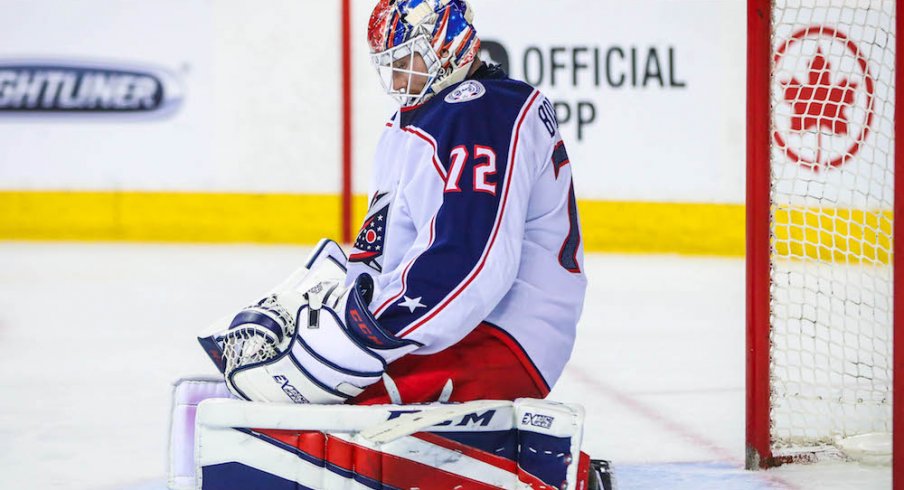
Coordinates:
<point>822,283</point>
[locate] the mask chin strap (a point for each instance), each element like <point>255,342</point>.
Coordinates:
<point>456,76</point>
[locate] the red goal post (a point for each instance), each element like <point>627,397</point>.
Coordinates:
<point>822,267</point>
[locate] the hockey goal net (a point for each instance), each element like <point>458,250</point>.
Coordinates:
<point>821,202</point>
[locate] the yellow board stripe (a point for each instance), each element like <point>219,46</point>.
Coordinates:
<point>608,226</point>
<point>168,217</point>
<point>633,227</point>
<point>840,235</point>
<point>657,227</point>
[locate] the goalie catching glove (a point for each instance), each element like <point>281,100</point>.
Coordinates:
<point>310,341</point>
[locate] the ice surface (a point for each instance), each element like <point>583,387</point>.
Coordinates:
<point>93,335</point>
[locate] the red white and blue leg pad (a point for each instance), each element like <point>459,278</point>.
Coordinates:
<point>477,445</point>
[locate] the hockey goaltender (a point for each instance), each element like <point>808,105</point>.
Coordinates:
<point>447,323</point>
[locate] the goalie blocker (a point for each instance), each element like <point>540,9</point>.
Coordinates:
<point>223,444</point>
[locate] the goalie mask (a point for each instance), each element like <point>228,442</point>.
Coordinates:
<point>440,31</point>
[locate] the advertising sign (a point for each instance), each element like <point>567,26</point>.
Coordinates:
<point>650,94</point>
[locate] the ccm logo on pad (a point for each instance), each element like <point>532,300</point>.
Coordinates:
<point>470,419</point>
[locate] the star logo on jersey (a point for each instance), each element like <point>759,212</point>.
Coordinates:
<point>371,239</point>
<point>412,304</point>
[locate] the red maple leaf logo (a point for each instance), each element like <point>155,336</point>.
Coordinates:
<point>819,103</point>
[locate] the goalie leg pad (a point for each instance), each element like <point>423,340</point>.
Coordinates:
<point>187,394</point>
<point>474,444</point>
<point>549,435</point>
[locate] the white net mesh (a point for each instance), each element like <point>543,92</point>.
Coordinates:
<point>832,196</point>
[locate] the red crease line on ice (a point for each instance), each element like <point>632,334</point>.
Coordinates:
<point>686,433</point>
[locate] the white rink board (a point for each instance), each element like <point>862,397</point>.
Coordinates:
<point>260,109</point>
<point>680,137</point>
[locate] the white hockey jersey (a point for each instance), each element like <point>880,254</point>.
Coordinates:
<point>473,219</point>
